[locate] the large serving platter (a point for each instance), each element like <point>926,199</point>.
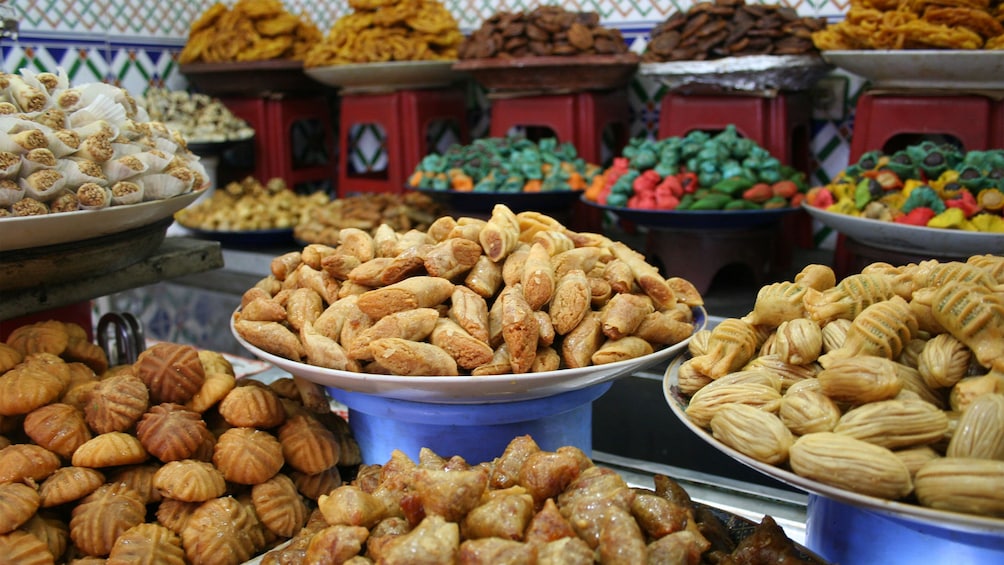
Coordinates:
<point>929,68</point>
<point>920,515</point>
<point>64,227</point>
<point>552,74</point>
<point>246,238</point>
<point>751,73</point>
<point>250,78</point>
<point>484,202</point>
<point>384,77</point>
<point>697,219</point>
<point>472,390</point>
<point>910,239</point>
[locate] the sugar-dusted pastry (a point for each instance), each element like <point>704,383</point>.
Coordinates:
<point>470,311</point>
<point>252,405</point>
<point>778,302</point>
<point>58,427</point>
<point>411,293</point>
<point>624,313</point>
<point>413,358</point>
<point>371,273</point>
<point>731,344</point>
<point>356,242</point>
<point>614,350</point>
<point>324,351</point>
<point>339,265</point>
<point>410,261</point>
<point>582,341</point>
<point>117,403</point>
<point>330,322</point>
<point>882,329</point>
<point>189,480</point>
<point>279,506</point>
<point>501,234</point>
<point>500,364</point>
<point>222,530</point>
<point>571,301</point>
<point>67,484</point>
<point>147,543</point>
<point>974,315</point>
<point>307,445</point>
<point>512,267</point>
<point>104,515</point>
<point>25,461</point>
<point>42,337</point>
<point>18,503</point>
<point>538,278</point>
<point>171,371</point>
<point>321,282</point>
<point>271,337</point>
<point>109,450</point>
<point>452,258</point>
<point>28,386</point>
<point>248,456</point>
<point>520,330</point>
<point>849,297</point>
<point>303,305</point>
<point>415,324</point>
<point>485,277</point>
<point>313,254</point>
<point>468,351</point>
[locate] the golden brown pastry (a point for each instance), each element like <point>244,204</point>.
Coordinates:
<point>468,351</point>
<point>189,480</point>
<point>512,267</point>
<point>279,506</point>
<point>452,258</point>
<point>150,543</point>
<point>67,484</point>
<point>882,329</point>
<point>411,293</point>
<point>538,279</point>
<point>307,445</point>
<point>109,449</point>
<point>849,297</point>
<point>974,315</point>
<point>520,330</point>
<point>18,503</point>
<point>582,341</point>
<point>25,461</point>
<point>248,456</point>
<point>647,276</point>
<point>413,358</point>
<point>222,530</point>
<point>614,350</point>
<point>485,277</point>
<point>500,364</point>
<point>171,432</point>
<point>24,548</point>
<point>624,313</point>
<point>104,515</point>
<point>271,337</point>
<point>470,311</point>
<point>42,337</point>
<point>778,302</point>
<point>216,386</point>
<point>415,325</point>
<point>324,351</point>
<point>28,386</point>
<point>116,403</point>
<point>731,345</point>
<point>252,405</point>
<point>500,235</point>
<point>60,428</point>
<point>303,306</point>
<point>172,372</point>
<point>571,301</point>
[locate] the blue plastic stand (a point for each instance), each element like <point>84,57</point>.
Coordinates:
<point>846,534</point>
<point>476,432</point>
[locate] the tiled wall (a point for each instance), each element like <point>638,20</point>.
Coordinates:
<point>133,43</point>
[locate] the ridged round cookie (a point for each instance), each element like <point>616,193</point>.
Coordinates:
<point>58,427</point>
<point>171,432</point>
<point>174,514</point>
<point>190,481</point>
<point>147,543</point>
<point>76,394</point>
<point>222,527</point>
<point>313,486</point>
<point>53,364</point>
<point>18,503</point>
<point>171,371</point>
<point>279,506</point>
<point>86,353</point>
<point>252,406</point>
<point>23,548</point>
<point>9,357</point>
<point>26,387</point>
<point>68,484</point>
<point>307,445</point>
<point>100,518</point>
<point>41,337</point>
<point>248,456</point>
<point>21,461</point>
<point>140,479</point>
<point>116,404</point>
<point>109,450</point>
<point>213,389</point>
<point>53,532</point>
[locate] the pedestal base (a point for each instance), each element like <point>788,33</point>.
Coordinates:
<point>476,432</point>
<point>842,533</point>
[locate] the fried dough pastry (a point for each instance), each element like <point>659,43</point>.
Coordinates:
<point>501,234</point>
<point>848,298</point>
<point>974,315</point>
<point>731,345</point>
<point>252,31</point>
<point>882,329</point>
<point>405,357</point>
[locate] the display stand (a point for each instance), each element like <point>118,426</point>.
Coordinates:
<point>405,117</point>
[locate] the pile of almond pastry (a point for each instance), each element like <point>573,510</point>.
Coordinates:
<point>889,383</point>
<point>516,293</point>
<point>168,460</point>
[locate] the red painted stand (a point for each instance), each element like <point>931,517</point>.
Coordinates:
<point>273,120</point>
<point>405,117</point>
<point>976,121</point>
<point>579,118</point>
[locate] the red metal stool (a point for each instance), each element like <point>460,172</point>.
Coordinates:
<point>274,121</point>
<point>580,118</point>
<point>405,117</point>
<point>976,121</point>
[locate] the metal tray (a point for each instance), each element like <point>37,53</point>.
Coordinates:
<point>752,73</point>
<point>927,69</point>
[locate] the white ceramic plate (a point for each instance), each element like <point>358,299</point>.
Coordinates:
<point>64,227</point>
<point>472,390</point>
<point>928,68</point>
<point>382,77</point>
<point>910,239</point>
<point>939,519</point>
